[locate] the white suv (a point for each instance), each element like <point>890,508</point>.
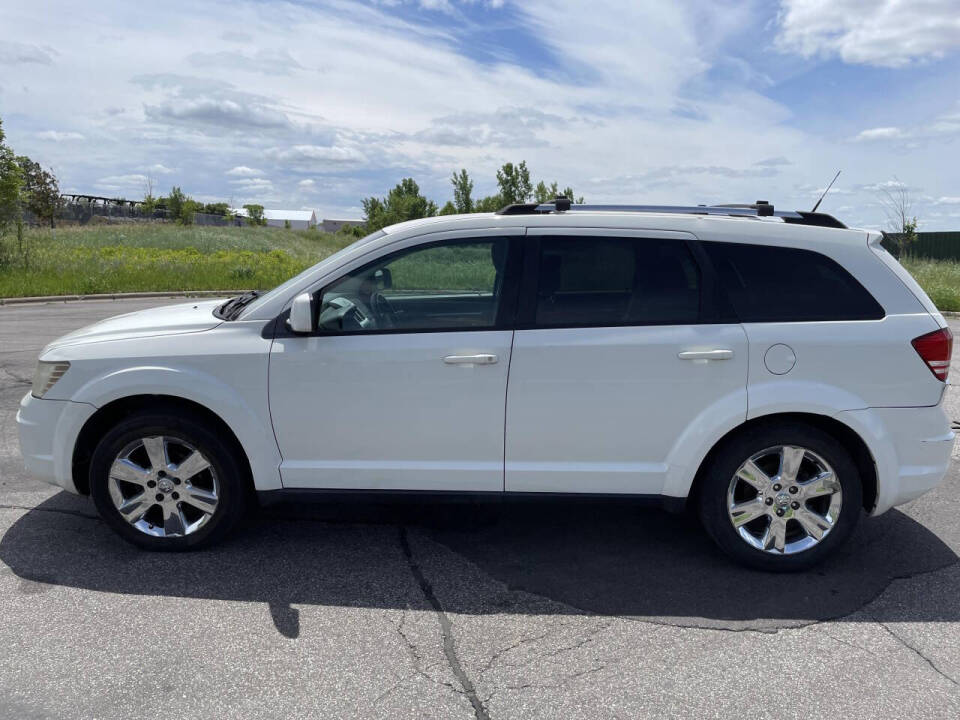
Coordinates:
<point>774,371</point>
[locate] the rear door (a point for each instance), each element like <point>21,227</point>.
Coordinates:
<point>620,352</point>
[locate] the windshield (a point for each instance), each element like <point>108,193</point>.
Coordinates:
<point>296,279</point>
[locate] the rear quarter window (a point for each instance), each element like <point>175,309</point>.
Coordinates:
<point>778,284</point>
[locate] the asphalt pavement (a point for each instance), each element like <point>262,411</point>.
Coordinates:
<point>532,610</point>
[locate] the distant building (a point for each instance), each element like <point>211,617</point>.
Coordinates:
<point>298,219</point>
<point>332,226</point>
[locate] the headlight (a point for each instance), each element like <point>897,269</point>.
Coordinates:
<point>46,376</point>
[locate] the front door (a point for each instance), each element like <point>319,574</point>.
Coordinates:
<point>617,357</point>
<point>403,385</point>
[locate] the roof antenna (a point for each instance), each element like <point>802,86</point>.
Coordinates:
<point>826,191</point>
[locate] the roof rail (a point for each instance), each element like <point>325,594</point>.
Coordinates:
<point>761,208</point>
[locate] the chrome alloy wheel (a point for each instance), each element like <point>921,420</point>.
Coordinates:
<point>163,486</point>
<point>784,500</point>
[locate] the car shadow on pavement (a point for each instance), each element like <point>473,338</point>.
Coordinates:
<point>609,558</point>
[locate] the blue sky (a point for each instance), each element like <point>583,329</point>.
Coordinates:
<point>318,104</point>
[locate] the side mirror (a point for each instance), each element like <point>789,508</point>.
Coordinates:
<point>301,314</point>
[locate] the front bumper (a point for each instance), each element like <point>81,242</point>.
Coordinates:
<point>910,446</point>
<point>48,432</point>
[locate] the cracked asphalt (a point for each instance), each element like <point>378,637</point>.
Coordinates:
<point>530,610</point>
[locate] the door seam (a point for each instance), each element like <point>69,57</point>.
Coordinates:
<point>506,396</point>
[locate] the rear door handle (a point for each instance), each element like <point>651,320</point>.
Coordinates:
<point>717,354</point>
<point>482,359</point>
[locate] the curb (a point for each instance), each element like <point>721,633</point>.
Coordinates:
<point>118,296</point>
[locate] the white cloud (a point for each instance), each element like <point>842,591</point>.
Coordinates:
<point>887,33</point>
<point>59,136</point>
<point>253,184</point>
<point>220,112</point>
<point>880,133</point>
<point>947,200</point>
<point>316,154</point>
<point>160,169</point>
<point>243,171</point>
<point>134,181</point>
<point>14,53</point>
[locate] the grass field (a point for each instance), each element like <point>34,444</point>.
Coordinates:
<point>939,278</point>
<point>128,258</point>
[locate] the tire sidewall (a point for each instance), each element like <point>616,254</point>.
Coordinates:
<point>713,495</point>
<point>229,477</point>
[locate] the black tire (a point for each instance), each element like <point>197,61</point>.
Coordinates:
<point>712,499</point>
<point>222,454</point>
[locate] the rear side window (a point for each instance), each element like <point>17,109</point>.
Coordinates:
<point>778,284</point>
<point>596,281</point>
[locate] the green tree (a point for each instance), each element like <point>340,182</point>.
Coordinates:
<point>40,191</point>
<point>180,206</point>
<point>255,214</point>
<point>545,193</point>
<point>514,182</point>
<point>175,201</point>
<point>404,202</point>
<point>490,203</point>
<point>462,191</point>
<point>219,208</point>
<point>898,205</point>
<point>10,183</point>
<point>448,209</point>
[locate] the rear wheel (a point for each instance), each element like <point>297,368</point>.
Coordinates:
<point>164,480</point>
<point>781,497</point>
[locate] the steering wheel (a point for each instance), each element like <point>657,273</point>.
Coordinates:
<point>384,310</point>
<point>346,313</point>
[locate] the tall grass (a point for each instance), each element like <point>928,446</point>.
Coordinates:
<point>939,278</point>
<point>106,258</point>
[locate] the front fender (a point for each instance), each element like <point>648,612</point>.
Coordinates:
<point>241,409</point>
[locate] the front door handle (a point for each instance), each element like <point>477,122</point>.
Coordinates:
<point>717,354</point>
<point>483,359</point>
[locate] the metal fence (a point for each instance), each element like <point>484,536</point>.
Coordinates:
<point>935,245</point>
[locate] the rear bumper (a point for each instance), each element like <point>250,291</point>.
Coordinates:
<point>48,431</point>
<point>910,446</point>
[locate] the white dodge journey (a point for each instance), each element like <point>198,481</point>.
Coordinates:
<point>775,372</point>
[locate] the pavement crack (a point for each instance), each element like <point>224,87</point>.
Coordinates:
<point>916,651</point>
<point>446,629</point>
<point>18,379</point>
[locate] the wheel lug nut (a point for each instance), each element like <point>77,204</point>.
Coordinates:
<point>794,489</point>
<point>795,505</point>
<point>176,481</point>
<point>151,483</point>
<point>777,486</point>
<point>159,497</point>
<point>161,474</point>
<point>769,501</point>
<point>176,496</point>
<point>779,512</point>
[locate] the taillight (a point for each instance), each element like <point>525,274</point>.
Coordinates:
<point>935,348</point>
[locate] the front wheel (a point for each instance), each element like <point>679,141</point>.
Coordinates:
<point>781,498</point>
<point>164,480</point>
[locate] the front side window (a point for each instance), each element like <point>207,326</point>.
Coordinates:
<point>597,281</point>
<point>780,284</point>
<point>453,285</point>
